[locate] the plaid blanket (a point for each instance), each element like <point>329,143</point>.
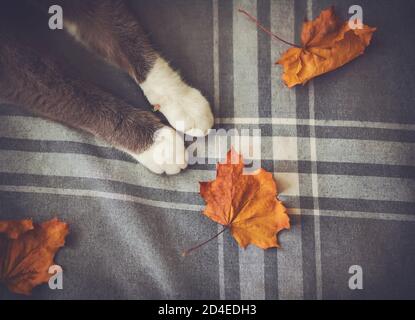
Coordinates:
<point>341,148</point>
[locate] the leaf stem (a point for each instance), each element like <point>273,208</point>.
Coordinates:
<point>260,26</point>
<point>187,252</point>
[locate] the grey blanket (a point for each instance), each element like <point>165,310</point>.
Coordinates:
<point>341,148</point>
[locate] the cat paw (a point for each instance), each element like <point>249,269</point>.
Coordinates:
<point>166,155</point>
<point>188,112</point>
<point>186,109</point>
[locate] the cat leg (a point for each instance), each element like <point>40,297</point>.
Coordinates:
<point>114,34</point>
<point>39,85</point>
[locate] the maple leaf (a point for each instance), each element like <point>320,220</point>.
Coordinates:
<point>327,44</point>
<point>246,204</point>
<point>13,229</point>
<point>27,251</point>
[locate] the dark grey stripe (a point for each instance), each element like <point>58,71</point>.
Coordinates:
<point>301,131</point>
<point>365,134</point>
<point>363,169</point>
<point>398,207</point>
<point>45,146</point>
<point>305,185</point>
<point>193,198</point>
<point>225,59</point>
<point>326,132</point>
<point>347,205</point>
<point>226,109</point>
<point>100,185</point>
<point>303,166</point>
<point>305,202</point>
<point>309,265</point>
<point>265,111</point>
<point>264,61</point>
<point>331,168</point>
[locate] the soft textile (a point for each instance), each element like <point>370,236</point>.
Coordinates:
<point>341,147</point>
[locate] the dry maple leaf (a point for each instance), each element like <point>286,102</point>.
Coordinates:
<point>246,204</point>
<point>27,251</point>
<point>327,44</point>
<point>13,229</point>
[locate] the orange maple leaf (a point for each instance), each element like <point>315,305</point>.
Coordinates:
<point>327,44</point>
<point>246,204</point>
<point>13,229</point>
<point>27,251</point>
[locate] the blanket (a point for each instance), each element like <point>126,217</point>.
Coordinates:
<point>341,149</point>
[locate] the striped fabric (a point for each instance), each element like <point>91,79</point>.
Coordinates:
<point>341,148</point>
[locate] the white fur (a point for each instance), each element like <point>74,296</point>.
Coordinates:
<point>73,30</point>
<point>166,155</point>
<point>184,107</point>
